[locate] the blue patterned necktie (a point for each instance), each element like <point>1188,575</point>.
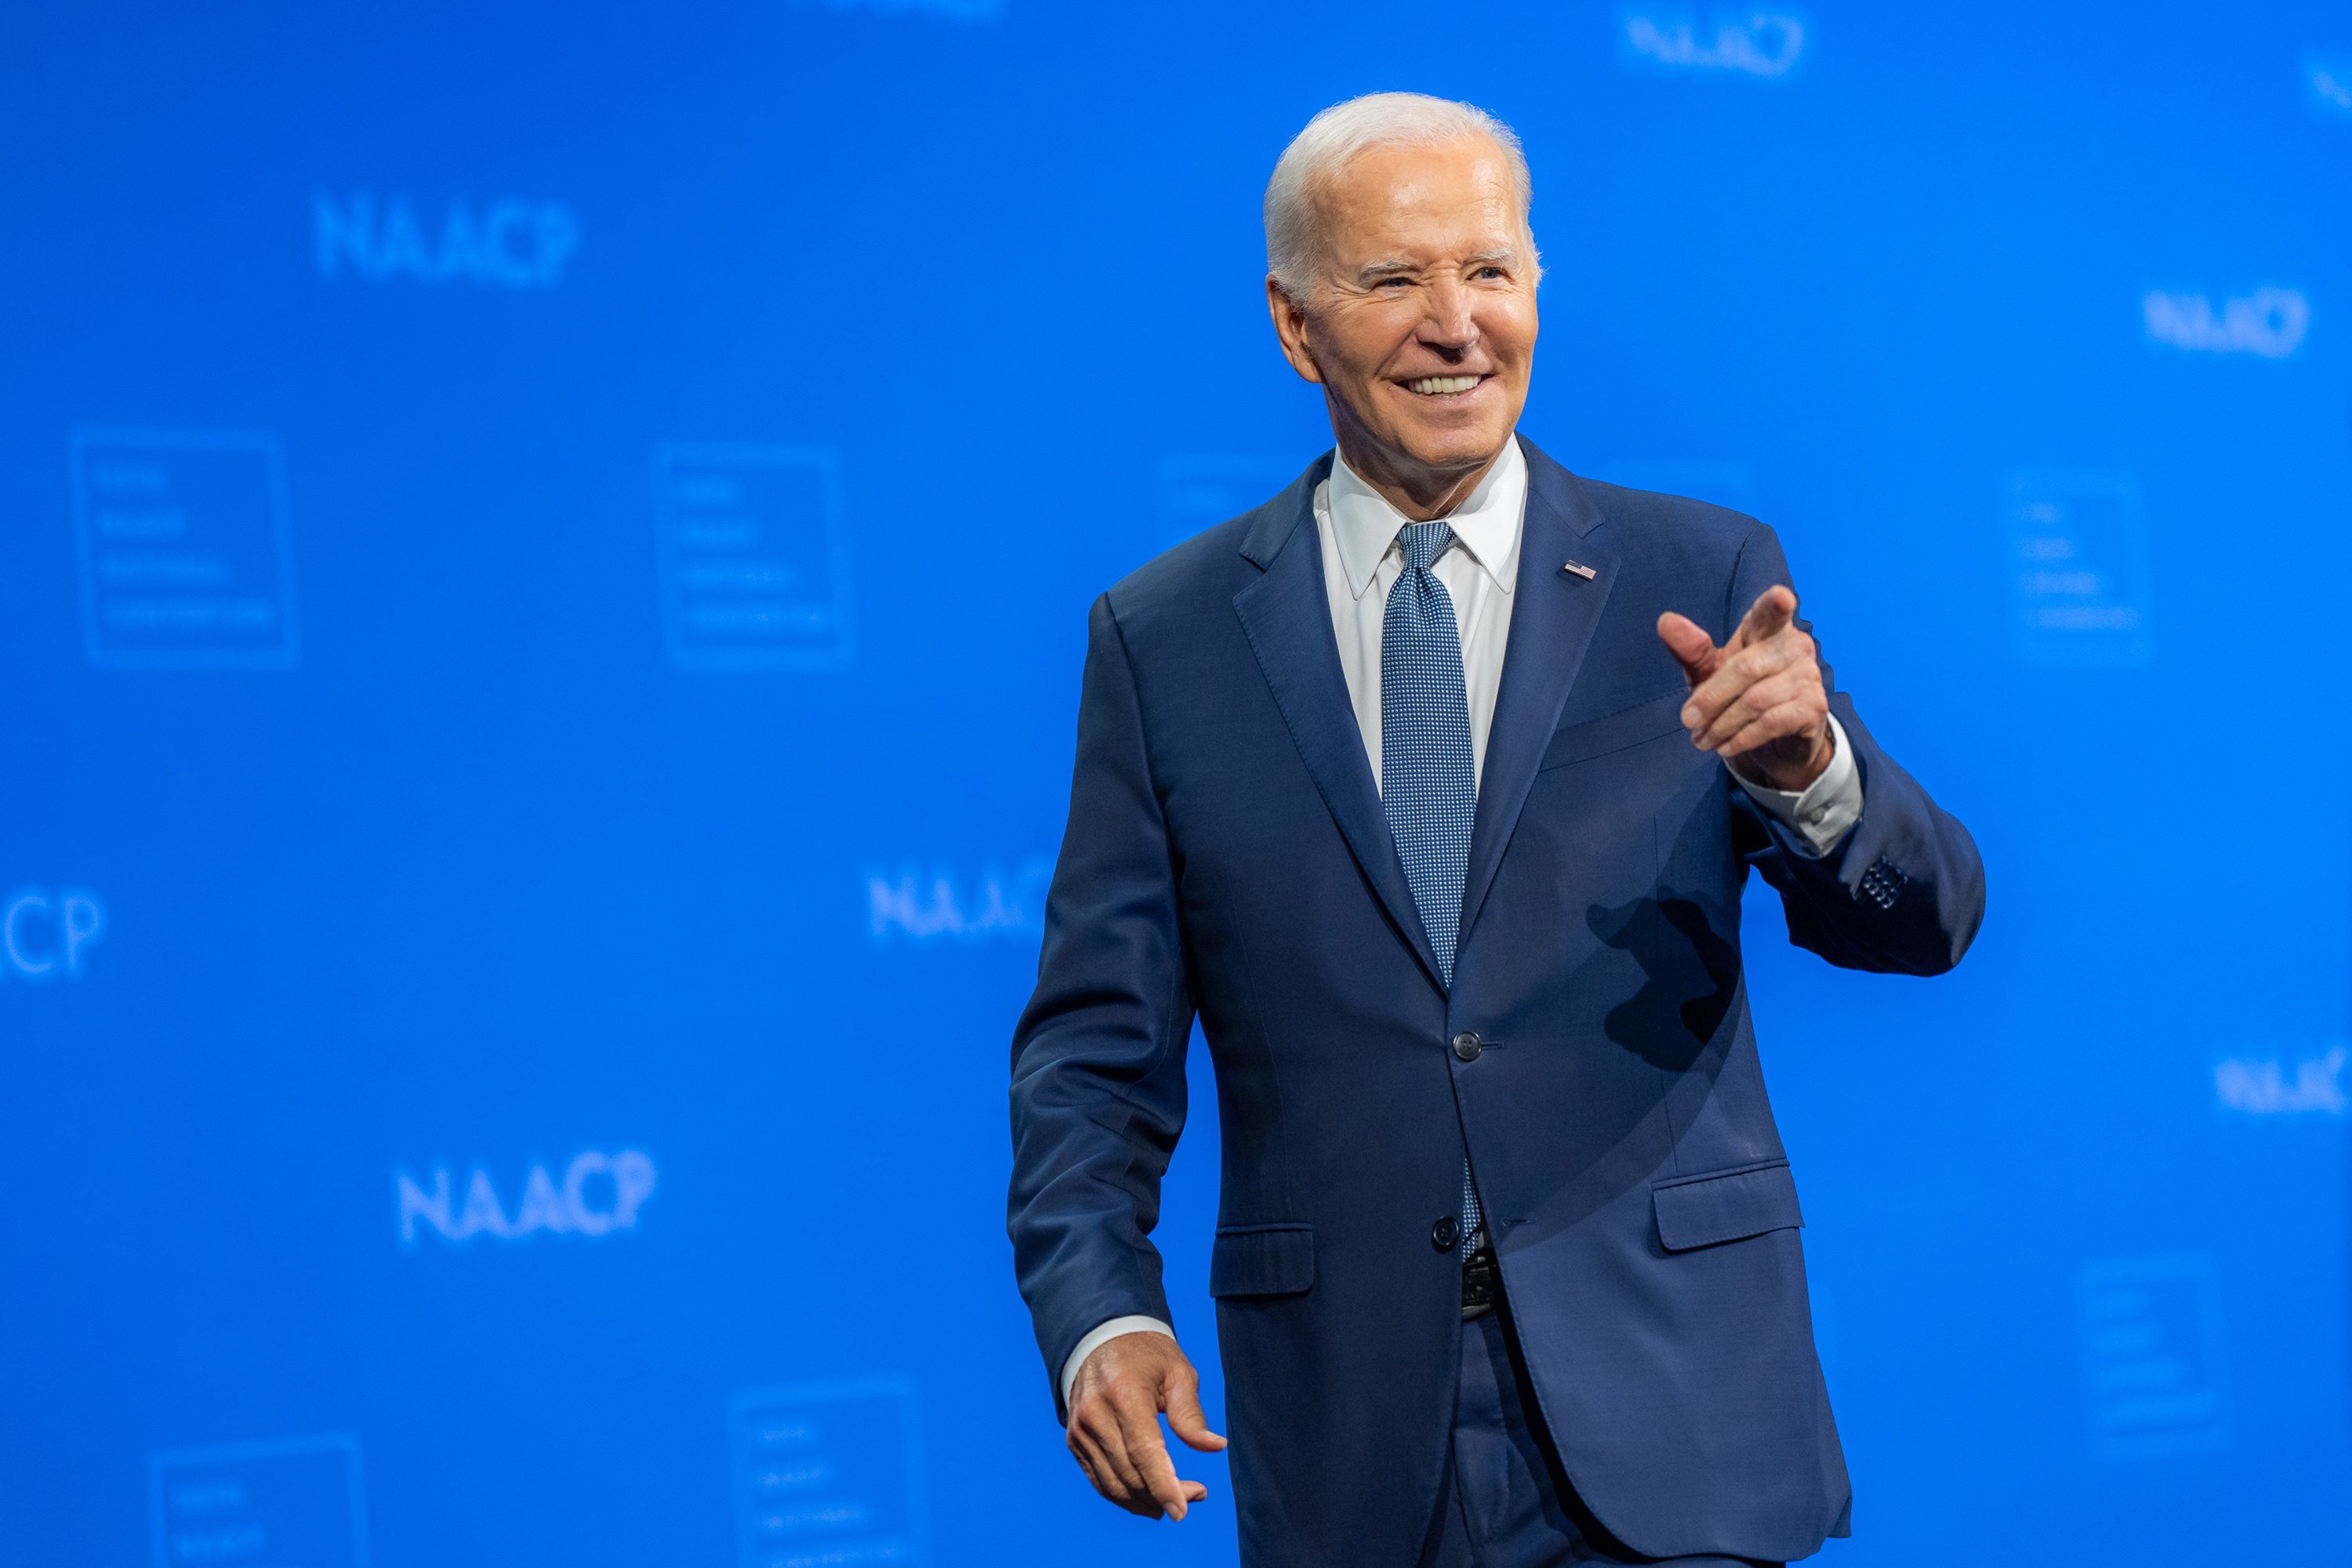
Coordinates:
<point>1428,782</point>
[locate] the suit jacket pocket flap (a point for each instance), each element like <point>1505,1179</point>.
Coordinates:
<point>1726,1206</point>
<point>1261,1260</point>
<point>1661,715</point>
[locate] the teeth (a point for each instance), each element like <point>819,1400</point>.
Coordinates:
<point>1439,385</point>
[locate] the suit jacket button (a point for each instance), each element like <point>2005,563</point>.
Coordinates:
<point>1467,1044</point>
<point>1445,1233</point>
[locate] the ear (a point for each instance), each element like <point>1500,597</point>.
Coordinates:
<point>1290,327</point>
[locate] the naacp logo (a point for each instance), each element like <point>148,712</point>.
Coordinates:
<point>941,906</point>
<point>2268,1087</point>
<point>44,933</point>
<point>509,245</point>
<point>1762,44</point>
<point>2269,321</point>
<point>600,1194</point>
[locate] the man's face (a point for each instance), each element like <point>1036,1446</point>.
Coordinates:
<point>1422,326</point>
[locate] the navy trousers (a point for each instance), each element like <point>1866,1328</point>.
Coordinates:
<point>1507,1503</point>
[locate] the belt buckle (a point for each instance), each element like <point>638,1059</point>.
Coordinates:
<point>1481,1285</point>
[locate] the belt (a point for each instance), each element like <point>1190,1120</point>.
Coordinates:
<point>1481,1285</point>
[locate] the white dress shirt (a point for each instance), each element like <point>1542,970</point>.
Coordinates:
<point>1357,529</point>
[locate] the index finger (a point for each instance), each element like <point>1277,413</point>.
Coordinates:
<point>1774,608</point>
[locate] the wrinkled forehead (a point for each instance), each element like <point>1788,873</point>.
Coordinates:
<point>1459,195</point>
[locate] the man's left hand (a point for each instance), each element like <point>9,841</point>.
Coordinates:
<point>1757,702</point>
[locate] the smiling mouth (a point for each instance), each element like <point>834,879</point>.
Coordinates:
<point>1442,385</point>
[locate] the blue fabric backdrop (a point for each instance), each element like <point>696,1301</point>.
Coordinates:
<point>544,553</point>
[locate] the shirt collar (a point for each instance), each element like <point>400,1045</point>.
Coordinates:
<point>1486,523</point>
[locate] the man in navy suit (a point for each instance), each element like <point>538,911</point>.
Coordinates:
<point>1430,786</point>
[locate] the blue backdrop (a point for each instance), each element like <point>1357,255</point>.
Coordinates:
<point>546,552</point>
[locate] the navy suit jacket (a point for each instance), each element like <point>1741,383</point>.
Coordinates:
<point>1226,855</point>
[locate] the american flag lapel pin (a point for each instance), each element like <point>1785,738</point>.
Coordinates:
<point>1580,569</point>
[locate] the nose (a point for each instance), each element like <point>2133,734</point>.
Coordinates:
<point>1451,326</point>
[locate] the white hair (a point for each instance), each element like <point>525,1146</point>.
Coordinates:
<point>1335,137</point>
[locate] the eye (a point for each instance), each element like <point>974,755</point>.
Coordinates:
<point>1490,271</point>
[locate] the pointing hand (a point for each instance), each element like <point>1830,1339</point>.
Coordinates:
<point>1757,702</point>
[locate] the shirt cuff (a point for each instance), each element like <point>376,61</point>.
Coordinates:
<point>1130,1325</point>
<point>1825,810</point>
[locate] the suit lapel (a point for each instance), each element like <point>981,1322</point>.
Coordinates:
<point>1553,615</point>
<point>1287,618</point>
